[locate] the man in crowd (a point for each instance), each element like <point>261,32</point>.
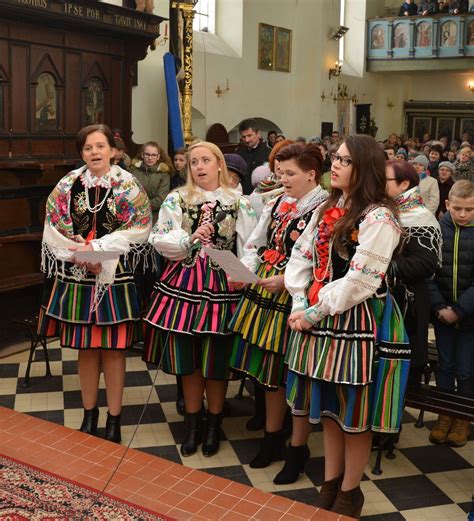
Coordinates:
<point>254,153</point>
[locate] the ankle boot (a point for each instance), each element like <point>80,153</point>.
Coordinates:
<point>296,458</point>
<point>193,434</point>
<point>112,428</point>
<point>441,429</point>
<point>257,421</point>
<point>459,433</point>
<point>272,448</point>
<point>210,445</point>
<point>327,495</point>
<point>89,423</point>
<point>349,502</point>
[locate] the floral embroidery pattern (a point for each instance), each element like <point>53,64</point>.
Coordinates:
<point>365,270</point>
<point>294,235</point>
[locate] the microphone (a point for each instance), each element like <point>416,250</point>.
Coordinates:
<point>218,218</point>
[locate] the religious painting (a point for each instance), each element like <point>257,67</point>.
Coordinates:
<point>282,49</point>
<point>266,43</point>
<point>448,33</point>
<point>377,40</point>
<point>46,103</point>
<point>423,35</point>
<point>470,33</point>
<point>400,36</point>
<point>467,125</point>
<point>95,102</point>
<point>421,126</point>
<point>445,127</point>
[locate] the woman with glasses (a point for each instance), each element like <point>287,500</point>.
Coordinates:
<point>416,262</point>
<point>348,359</point>
<point>154,174</point>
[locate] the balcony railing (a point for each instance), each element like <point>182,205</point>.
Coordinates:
<point>438,36</point>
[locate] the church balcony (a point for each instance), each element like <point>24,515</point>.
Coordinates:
<point>440,42</point>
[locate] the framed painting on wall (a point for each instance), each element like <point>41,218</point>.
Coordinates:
<point>445,127</point>
<point>282,49</point>
<point>467,125</point>
<point>266,44</point>
<point>421,126</point>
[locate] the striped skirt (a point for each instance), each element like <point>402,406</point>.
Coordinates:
<point>67,313</point>
<point>260,324</point>
<point>186,324</point>
<point>330,375</point>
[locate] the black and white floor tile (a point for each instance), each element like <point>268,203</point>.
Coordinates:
<point>423,482</point>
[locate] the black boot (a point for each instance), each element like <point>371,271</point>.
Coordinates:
<point>257,421</point>
<point>210,445</point>
<point>89,423</point>
<point>296,458</point>
<point>193,434</point>
<point>272,448</point>
<point>180,408</point>
<point>112,428</point>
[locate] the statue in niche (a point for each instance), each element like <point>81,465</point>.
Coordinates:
<point>46,103</point>
<point>95,102</point>
<point>448,34</point>
<point>423,34</point>
<point>378,38</point>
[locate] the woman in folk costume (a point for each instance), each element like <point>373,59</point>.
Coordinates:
<point>261,319</point>
<point>186,325</point>
<point>348,357</point>
<point>95,308</point>
<point>415,263</point>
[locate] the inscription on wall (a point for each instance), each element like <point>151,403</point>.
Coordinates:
<point>82,11</point>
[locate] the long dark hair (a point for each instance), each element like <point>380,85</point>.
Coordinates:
<point>367,186</point>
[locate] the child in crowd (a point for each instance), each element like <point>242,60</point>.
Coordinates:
<point>153,173</point>
<point>445,182</point>
<point>180,162</point>
<point>428,186</point>
<point>408,8</point>
<point>436,151</point>
<point>452,302</point>
<point>237,168</point>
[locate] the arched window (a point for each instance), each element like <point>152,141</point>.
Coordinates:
<point>205,17</point>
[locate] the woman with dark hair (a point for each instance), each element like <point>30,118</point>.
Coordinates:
<point>415,263</point>
<point>95,308</point>
<point>261,318</point>
<point>348,355</point>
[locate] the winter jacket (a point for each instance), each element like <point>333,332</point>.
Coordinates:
<point>156,182</point>
<point>462,6</point>
<point>453,283</point>
<point>411,8</point>
<point>444,189</point>
<point>430,193</point>
<point>253,157</point>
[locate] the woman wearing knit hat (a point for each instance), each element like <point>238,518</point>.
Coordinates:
<point>237,168</point>
<point>428,185</point>
<point>401,155</point>
<point>446,170</point>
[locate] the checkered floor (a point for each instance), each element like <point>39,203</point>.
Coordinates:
<point>423,482</point>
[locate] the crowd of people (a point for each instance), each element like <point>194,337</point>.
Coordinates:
<point>357,245</point>
<point>430,7</point>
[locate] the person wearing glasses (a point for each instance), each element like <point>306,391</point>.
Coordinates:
<point>154,174</point>
<point>347,368</point>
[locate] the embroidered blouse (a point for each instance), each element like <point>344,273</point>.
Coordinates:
<point>271,225</point>
<point>179,217</point>
<point>378,236</point>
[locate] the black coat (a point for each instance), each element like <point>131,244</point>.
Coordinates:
<point>428,5</point>
<point>453,284</point>
<point>253,157</point>
<point>444,189</point>
<point>410,269</point>
<point>461,5</point>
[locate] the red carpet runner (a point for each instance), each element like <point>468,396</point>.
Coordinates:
<point>28,493</point>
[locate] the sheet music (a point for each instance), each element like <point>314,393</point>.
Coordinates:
<point>231,265</point>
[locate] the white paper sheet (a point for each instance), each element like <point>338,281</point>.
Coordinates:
<point>94,257</point>
<point>231,265</point>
